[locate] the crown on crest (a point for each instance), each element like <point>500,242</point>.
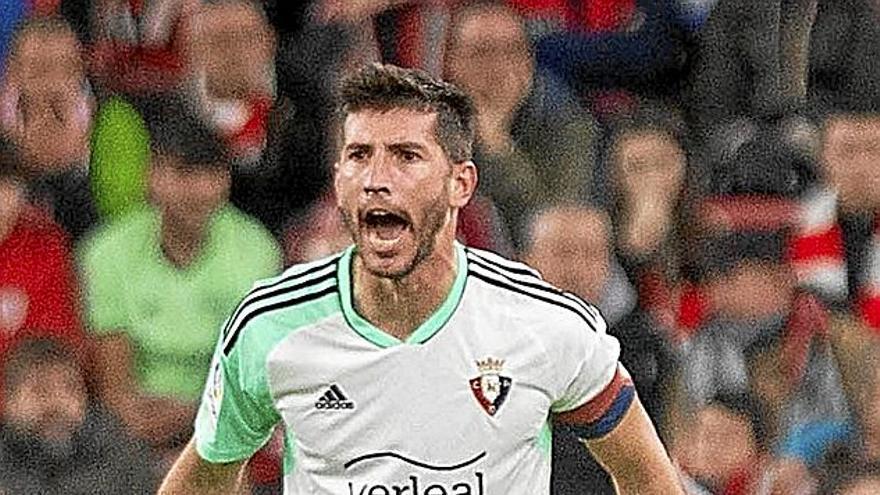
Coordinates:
<point>490,365</point>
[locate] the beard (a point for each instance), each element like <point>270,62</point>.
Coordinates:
<point>41,449</point>
<point>425,233</point>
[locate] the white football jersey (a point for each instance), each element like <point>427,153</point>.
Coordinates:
<point>463,406</point>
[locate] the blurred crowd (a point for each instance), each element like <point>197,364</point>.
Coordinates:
<point>159,156</point>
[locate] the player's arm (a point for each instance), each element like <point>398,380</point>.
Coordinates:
<point>597,399</point>
<point>618,432</point>
<point>192,474</point>
<point>634,456</point>
<point>235,419</point>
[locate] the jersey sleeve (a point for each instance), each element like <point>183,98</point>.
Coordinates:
<point>237,415</point>
<point>594,391</point>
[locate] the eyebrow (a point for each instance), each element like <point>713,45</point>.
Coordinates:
<point>402,146</point>
<point>357,146</point>
<point>407,146</point>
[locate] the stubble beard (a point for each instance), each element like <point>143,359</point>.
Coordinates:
<point>426,239</point>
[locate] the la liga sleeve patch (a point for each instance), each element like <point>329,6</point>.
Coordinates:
<point>214,395</point>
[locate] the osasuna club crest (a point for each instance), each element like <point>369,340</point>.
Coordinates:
<point>490,388</point>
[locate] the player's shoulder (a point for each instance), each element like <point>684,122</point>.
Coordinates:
<point>288,295</point>
<point>520,288</point>
<point>310,270</point>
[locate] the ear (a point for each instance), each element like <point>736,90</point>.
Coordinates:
<point>464,183</point>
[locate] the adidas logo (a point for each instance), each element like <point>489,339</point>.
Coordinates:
<point>333,398</point>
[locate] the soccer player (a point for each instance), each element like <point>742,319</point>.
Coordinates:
<point>410,364</point>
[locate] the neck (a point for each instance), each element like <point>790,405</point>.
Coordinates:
<point>181,244</point>
<point>400,306</point>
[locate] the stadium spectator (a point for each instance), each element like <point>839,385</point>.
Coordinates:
<point>849,154</point>
<point>725,450</point>
<point>53,440</point>
<point>571,247</point>
<point>37,286</point>
<point>800,437</point>
<point>535,147</point>
<point>760,333</point>
<point>647,164</point>
<point>46,107</point>
<point>276,141</point>
<point>232,72</point>
<point>138,46</point>
<point>160,281</point>
<point>644,186</point>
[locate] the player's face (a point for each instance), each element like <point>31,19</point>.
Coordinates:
<point>396,188</point>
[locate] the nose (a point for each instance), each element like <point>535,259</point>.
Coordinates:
<point>378,177</point>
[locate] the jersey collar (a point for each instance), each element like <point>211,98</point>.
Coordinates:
<point>426,330</point>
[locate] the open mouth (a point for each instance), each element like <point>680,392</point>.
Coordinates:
<point>384,227</point>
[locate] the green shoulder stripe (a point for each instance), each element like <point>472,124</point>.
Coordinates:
<point>294,296</point>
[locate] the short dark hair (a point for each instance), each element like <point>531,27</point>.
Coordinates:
<point>385,87</point>
<point>34,352</point>
<point>175,130</point>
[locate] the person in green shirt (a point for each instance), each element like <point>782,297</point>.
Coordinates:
<point>160,282</point>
